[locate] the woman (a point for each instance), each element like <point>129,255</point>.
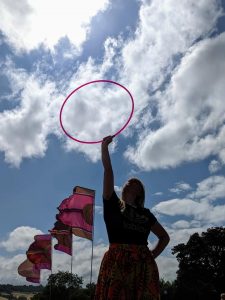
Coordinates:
<point>128,270</point>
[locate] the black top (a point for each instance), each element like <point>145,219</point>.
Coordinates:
<point>131,226</point>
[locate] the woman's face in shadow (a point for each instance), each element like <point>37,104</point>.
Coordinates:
<point>131,191</point>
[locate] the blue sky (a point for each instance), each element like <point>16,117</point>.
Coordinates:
<point>171,56</point>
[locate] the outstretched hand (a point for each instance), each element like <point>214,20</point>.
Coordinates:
<point>108,181</point>
<point>107,140</point>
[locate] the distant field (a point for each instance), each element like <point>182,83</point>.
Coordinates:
<point>18,294</point>
<point>27,295</point>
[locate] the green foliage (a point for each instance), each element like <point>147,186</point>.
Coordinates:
<point>64,285</point>
<point>167,289</point>
<point>36,297</point>
<point>9,288</point>
<point>201,273</point>
<point>65,280</point>
<point>39,297</point>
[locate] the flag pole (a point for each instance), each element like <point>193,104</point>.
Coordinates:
<point>50,292</point>
<point>91,261</point>
<point>92,249</point>
<point>71,261</point>
<point>71,266</point>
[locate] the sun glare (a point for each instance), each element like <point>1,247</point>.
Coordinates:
<point>46,22</point>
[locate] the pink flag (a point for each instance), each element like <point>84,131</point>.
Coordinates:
<point>77,212</point>
<point>33,280</point>
<point>39,252</point>
<point>27,269</point>
<point>85,191</point>
<point>63,234</point>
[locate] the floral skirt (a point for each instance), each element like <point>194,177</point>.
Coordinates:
<point>128,272</point>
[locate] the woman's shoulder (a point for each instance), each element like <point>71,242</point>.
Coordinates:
<point>151,216</point>
<point>111,198</point>
<point>146,211</point>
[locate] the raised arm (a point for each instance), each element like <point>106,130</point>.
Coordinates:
<point>163,237</point>
<point>108,181</point>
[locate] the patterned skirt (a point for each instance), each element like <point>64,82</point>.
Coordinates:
<point>128,272</point>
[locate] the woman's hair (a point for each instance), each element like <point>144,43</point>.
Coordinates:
<point>140,199</point>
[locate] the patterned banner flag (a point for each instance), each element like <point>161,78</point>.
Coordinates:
<point>77,212</point>
<point>63,234</point>
<point>85,191</point>
<point>39,252</point>
<point>27,269</point>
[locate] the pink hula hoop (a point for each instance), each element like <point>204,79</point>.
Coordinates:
<point>95,81</point>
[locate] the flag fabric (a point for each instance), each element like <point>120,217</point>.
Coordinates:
<point>39,252</point>
<point>77,212</point>
<point>63,234</point>
<point>85,191</point>
<point>32,279</point>
<point>27,269</point>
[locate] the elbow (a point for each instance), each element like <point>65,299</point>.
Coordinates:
<point>165,239</point>
<point>107,196</point>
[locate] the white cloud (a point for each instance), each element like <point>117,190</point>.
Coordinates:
<point>29,23</point>
<point>158,194</point>
<point>94,111</point>
<point>20,238</point>
<point>180,187</point>
<point>222,156</point>
<point>165,29</point>
<point>182,235</point>
<point>186,207</point>
<point>200,211</point>
<point>82,254</point>
<point>98,209</point>
<point>8,269</point>
<point>148,45</point>
<point>118,189</point>
<point>98,112</point>
<point>61,262</point>
<point>167,267</point>
<point>191,111</point>
<point>214,166</point>
<point>210,189</point>
<point>197,205</point>
<point>24,129</point>
<point>181,224</point>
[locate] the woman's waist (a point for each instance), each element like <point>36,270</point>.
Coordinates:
<point>134,251</point>
<point>129,246</point>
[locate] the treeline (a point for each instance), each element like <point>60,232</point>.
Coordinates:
<point>64,285</point>
<point>9,288</point>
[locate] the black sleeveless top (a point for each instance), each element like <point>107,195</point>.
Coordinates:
<point>130,226</point>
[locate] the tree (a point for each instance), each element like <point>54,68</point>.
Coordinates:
<point>65,285</point>
<point>65,280</point>
<point>167,289</point>
<point>61,285</point>
<point>90,288</point>
<point>201,273</point>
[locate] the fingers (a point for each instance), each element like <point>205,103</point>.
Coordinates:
<point>107,140</point>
